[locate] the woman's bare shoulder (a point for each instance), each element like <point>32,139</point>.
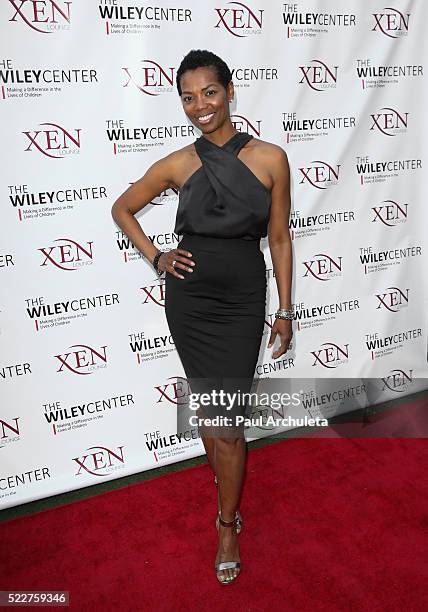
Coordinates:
<point>272,156</point>
<point>177,162</point>
<point>180,156</point>
<point>269,148</point>
<point>172,166</point>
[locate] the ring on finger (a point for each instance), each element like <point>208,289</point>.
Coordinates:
<point>174,262</point>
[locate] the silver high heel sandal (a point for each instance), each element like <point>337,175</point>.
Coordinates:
<point>219,567</point>
<point>238,517</point>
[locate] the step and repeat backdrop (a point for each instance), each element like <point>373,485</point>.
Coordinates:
<point>90,380</point>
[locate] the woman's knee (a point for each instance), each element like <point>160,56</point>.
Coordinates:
<point>229,442</point>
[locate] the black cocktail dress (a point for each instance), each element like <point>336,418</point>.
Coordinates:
<point>216,314</point>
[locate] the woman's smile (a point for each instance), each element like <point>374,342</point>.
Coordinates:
<point>204,119</point>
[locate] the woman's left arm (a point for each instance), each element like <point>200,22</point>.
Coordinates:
<point>280,246</point>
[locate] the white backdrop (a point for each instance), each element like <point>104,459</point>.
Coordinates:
<point>89,376</point>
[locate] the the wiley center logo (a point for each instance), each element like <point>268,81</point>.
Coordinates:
<point>150,78</point>
<point>389,121</point>
<point>53,140</point>
<point>392,299</point>
<point>320,174</point>
<point>323,267</point>
<point>239,19</point>
<point>392,23</point>
<point>67,254</point>
<point>82,359</point>
<point>45,17</point>
<point>318,76</point>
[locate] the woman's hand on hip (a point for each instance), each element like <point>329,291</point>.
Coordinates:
<point>180,258</point>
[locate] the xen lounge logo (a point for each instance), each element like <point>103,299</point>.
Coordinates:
<point>240,20</point>
<point>323,267</point>
<point>398,380</point>
<point>392,299</point>
<point>389,121</point>
<point>83,359</point>
<point>9,432</point>
<point>56,142</point>
<point>69,255</point>
<point>320,175</point>
<point>318,76</point>
<point>154,294</point>
<point>102,461</point>
<point>331,355</point>
<point>390,213</point>
<point>243,124</point>
<point>44,16</point>
<point>151,78</point>
<point>392,23</point>
<point>175,392</point>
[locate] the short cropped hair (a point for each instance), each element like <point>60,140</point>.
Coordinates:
<point>200,58</point>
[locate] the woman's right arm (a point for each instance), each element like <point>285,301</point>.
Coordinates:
<point>158,178</point>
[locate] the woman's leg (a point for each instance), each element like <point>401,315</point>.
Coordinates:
<point>209,449</point>
<point>229,460</point>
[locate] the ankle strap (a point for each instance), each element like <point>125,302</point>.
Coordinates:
<point>227,523</point>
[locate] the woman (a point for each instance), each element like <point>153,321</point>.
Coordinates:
<point>234,189</point>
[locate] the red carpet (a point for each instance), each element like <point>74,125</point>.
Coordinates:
<point>329,524</point>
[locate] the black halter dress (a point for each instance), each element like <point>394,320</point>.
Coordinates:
<point>216,313</point>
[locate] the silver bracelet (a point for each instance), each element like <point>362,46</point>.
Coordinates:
<point>284,313</point>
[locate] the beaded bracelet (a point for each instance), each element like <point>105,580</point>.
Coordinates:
<point>155,262</point>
